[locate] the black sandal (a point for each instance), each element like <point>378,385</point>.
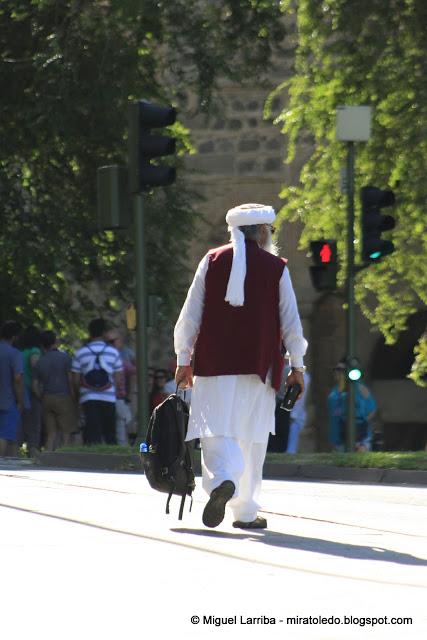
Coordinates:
<point>214,511</point>
<point>258,523</point>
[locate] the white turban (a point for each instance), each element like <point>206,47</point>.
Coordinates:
<point>241,216</point>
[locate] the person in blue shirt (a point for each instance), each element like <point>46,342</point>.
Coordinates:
<point>337,409</point>
<point>11,386</point>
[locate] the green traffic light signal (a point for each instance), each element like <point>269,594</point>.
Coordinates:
<point>354,372</point>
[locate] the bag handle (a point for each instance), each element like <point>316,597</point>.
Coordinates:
<point>183,390</point>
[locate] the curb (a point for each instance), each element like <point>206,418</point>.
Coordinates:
<point>284,471</point>
<point>345,474</point>
<point>96,462</point>
<point>89,461</point>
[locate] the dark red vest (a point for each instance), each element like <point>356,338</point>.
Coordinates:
<point>241,340</point>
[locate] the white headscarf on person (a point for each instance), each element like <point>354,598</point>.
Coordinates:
<point>242,216</point>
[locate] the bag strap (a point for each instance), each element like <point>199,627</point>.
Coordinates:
<point>97,353</point>
<point>179,423</point>
<point>181,508</point>
<point>169,499</point>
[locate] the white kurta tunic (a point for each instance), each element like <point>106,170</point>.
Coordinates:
<point>237,406</point>
<point>240,407</point>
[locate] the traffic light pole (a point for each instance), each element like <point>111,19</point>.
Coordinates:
<point>142,316</point>
<point>351,328</point>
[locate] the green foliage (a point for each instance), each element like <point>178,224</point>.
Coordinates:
<point>371,459</point>
<point>68,70</point>
<point>419,368</point>
<point>117,449</point>
<point>355,53</point>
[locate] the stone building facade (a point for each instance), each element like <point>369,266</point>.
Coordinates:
<point>240,158</point>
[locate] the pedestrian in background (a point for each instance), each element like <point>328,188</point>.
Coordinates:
<point>298,417</point>
<point>97,371</point>
<point>170,386</point>
<point>29,343</point>
<point>53,385</point>
<point>158,393</point>
<point>239,311</point>
<point>11,386</point>
<point>124,416</point>
<point>365,409</point>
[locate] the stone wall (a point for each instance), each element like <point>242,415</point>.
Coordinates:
<point>240,158</point>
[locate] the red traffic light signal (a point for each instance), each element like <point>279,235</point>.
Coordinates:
<point>325,253</point>
<point>374,223</point>
<point>143,146</point>
<point>324,272</point>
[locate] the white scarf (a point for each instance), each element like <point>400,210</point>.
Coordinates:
<point>236,283</point>
<point>243,215</point>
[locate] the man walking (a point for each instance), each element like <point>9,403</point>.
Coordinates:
<point>97,372</point>
<point>239,314</point>
<point>53,385</point>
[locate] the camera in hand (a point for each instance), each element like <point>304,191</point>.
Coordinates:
<point>291,396</point>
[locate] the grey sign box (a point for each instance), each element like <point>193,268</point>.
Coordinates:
<point>354,123</point>
<point>114,211</point>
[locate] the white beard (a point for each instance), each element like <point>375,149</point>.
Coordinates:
<point>271,246</point>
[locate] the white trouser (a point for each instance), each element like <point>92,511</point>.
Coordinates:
<point>240,461</point>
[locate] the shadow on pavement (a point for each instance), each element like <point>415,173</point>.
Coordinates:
<point>315,545</point>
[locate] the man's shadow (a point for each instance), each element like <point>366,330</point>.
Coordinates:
<point>315,545</point>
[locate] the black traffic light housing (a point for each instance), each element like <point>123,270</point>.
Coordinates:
<point>143,146</point>
<point>324,271</point>
<point>114,206</point>
<point>374,223</point>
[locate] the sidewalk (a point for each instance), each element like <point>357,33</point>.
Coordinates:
<point>272,470</point>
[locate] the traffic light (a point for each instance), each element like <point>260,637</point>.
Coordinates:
<point>354,371</point>
<point>114,211</point>
<point>143,146</point>
<point>374,223</point>
<point>324,271</point>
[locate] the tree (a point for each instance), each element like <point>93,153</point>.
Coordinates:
<point>69,68</point>
<point>364,52</point>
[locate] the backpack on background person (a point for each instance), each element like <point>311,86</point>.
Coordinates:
<point>97,378</point>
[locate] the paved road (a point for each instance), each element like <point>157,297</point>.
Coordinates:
<point>92,555</point>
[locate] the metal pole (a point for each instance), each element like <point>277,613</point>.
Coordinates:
<point>141,317</point>
<point>351,329</point>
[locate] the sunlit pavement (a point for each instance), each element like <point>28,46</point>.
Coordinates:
<point>93,555</point>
